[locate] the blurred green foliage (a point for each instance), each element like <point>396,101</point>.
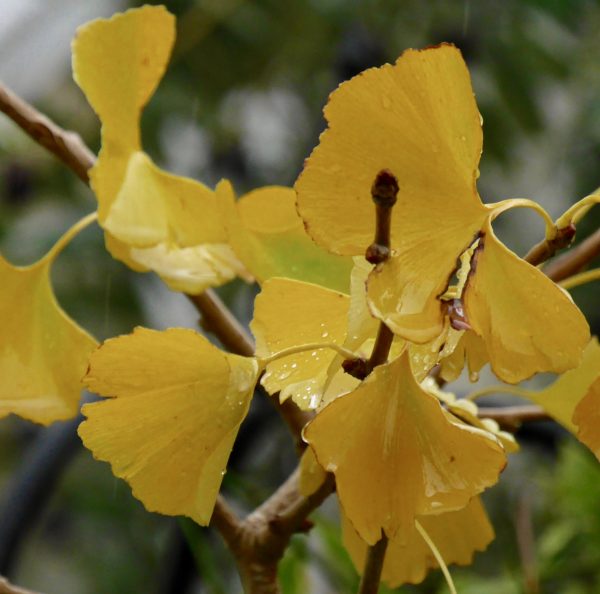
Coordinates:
<point>242,99</point>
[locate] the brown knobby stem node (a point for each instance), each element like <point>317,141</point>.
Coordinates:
<point>576,259</point>
<point>259,541</point>
<point>357,368</point>
<point>545,249</point>
<point>384,193</point>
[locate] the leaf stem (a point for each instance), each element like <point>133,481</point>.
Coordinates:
<point>369,583</point>
<point>499,207</point>
<point>437,555</point>
<point>497,389</point>
<point>218,320</point>
<point>510,417</point>
<point>581,279</point>
<point>311,346</point>
<point>576,212</point>
<point>69,235</point>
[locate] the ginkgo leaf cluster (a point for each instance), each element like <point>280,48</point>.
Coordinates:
<point>407,456</point>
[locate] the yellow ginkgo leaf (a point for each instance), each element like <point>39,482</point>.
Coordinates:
<point>462,347</point>
<point>404,294</point>
<point>192,269</point>
<point>312,475</point>
<point>264,229</point>
<point>289,313</point>
<point>529,324</point>
<point>457,535</point>
<point>468,411</point>
<point>587,417</point>
<point>424,357</point>
<point>43,352</point>
<point>175,407</point>
<point>417,118</point>
<point>562,397</point>
<point>396,454</point>
<point>152,220</point>
<point>118,63</point>
<point>153,206</point>
<point>362,326</point>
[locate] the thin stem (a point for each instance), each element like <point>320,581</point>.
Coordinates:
<point>511,417</point>
<point>576,259</point>
<point>581,279</point>
<point>437,555</point>
<point>369,583</point>
<point>69,235</point>
<point>497,389</point>
<point>311,346</point>
<point>384,193</point>
<point>218,319</point>
<point>576,212</point>
<point>381,348</point>
<point>499,207</point>
<point>67,146</point>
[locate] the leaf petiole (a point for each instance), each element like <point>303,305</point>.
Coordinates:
<point>68,236</point>
<point>301,348</point>
<point>499,207</point>
<point>576,212</point>
<point>437,555</point>
<point>580,279</point>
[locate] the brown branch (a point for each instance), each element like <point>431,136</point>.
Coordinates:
<point>511,417</point>
<point>369,583</point>
<point>576,259</point>
<point>7,588</point>
<point>225,520</point>
<point>218,320</point>
<point>260,540</point>
<point>67,146</point>
<point>546,248</point>
<point>384,193</point>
